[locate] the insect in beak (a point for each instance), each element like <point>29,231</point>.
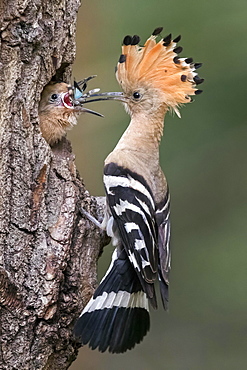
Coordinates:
<point>77,96</point>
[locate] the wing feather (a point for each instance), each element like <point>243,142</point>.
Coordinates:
<point>132,206</point>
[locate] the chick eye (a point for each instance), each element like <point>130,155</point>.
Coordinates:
<point>54,97</point>
<point>137,95</point>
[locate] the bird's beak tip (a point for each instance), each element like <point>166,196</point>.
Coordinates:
<point>81,109</point>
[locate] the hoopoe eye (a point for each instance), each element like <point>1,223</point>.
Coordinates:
<point>54,97</point>
<point>137,95</point>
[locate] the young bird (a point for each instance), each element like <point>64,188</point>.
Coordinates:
<point>57,111</point>
<point>154,80</point>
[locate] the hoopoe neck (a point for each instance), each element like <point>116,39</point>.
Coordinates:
<point>143,133</point>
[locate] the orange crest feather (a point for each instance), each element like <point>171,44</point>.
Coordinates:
<point>157,64</point>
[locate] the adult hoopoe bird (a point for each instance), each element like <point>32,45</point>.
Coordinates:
<point>154,80</point>
<point>57,111</point>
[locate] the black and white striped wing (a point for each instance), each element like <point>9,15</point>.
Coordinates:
<point>163,222</point>
<point>132,207</point>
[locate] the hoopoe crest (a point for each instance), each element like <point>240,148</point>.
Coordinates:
<point>157,65</point>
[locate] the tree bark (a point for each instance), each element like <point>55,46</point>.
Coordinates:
<point>48,251</point>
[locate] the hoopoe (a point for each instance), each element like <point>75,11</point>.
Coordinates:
<point>154,80</point>
<point>57,110</point>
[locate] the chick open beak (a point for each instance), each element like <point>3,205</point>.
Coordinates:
<point>70,103</point>
<point>66,101</point>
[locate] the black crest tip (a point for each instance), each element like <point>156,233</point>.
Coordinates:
<point>188,60</point>
<point>198,92</point>
<point>178,50</point>
<point>167,40</point>
<point>135,40</point>
<point>157,31</point>
<point>122,58</point>
<point>197,65</point>
<point>176,60</point>
<point>177,39</point>
<point>127,40</point>
<point>198,80</point>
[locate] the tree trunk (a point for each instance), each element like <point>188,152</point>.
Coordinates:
<point>48,251</point>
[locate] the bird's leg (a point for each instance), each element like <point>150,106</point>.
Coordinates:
<point>100,225</point>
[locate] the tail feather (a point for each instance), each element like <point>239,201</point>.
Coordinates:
<point>92,327</point>
<point>132,326</point>
<point>106,334</point>
<point>119,342</point>
<point>104,331</point>
<point>131,331</point>
<point>117,316</point>
<point>124,329</point>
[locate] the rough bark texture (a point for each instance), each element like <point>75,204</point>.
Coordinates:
<point>48,252</point>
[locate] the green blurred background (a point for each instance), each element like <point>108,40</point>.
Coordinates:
<point>204,158</point>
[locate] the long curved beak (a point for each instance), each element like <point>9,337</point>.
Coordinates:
<point>78,97</point>
<point>89,98</point>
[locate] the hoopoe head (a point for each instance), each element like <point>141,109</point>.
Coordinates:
<point>154,76</point>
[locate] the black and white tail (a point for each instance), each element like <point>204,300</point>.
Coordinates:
<point>117,316</point>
